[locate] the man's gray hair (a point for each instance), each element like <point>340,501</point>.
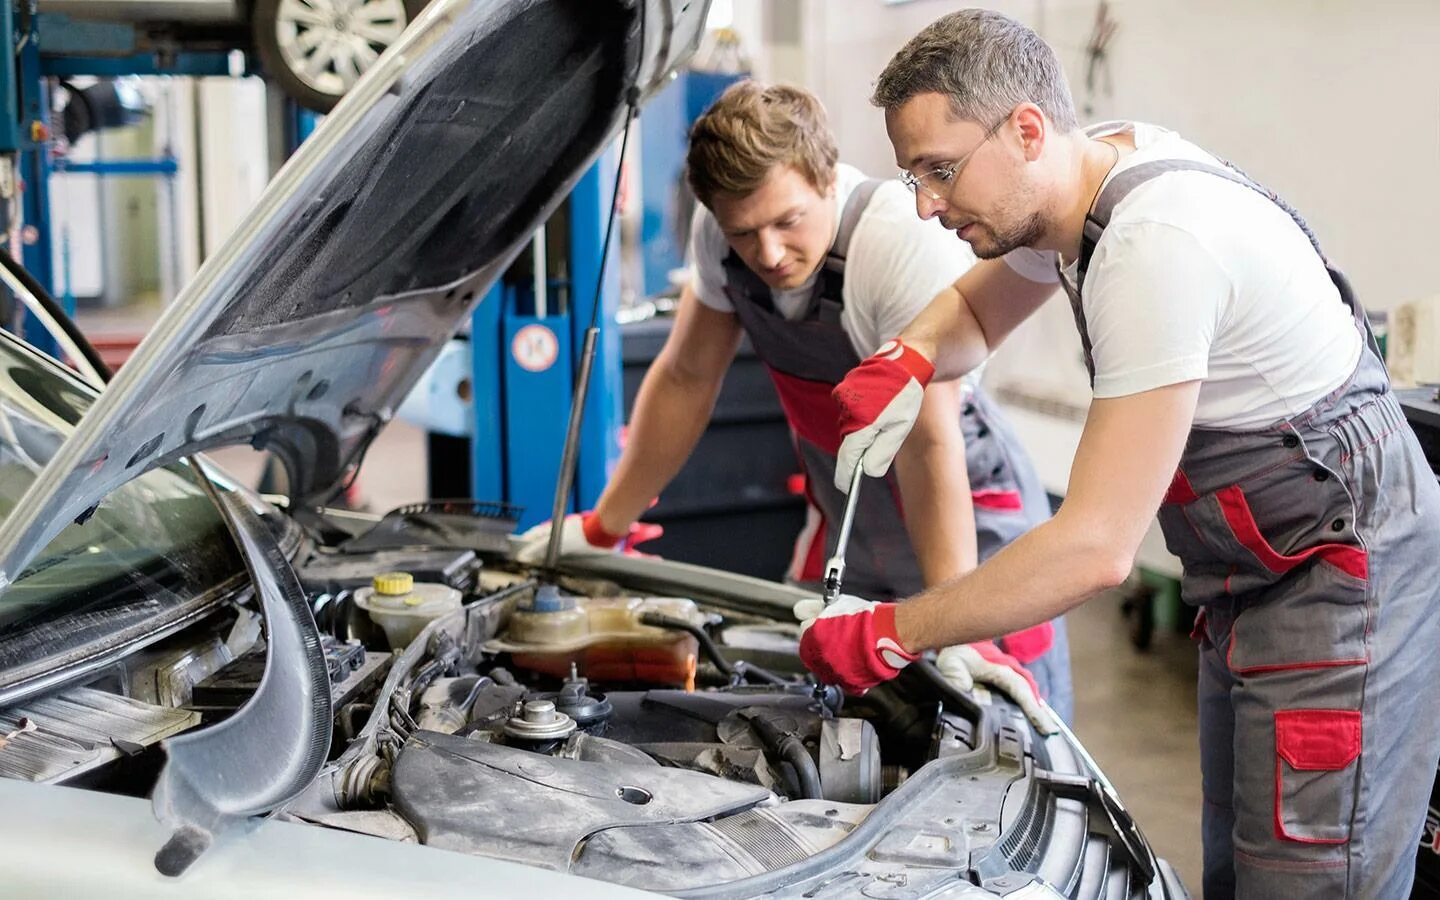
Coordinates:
<point>986,63</point>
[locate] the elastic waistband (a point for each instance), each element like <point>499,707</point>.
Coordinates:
<point>1215,459</point>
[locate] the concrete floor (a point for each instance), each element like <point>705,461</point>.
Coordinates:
<point>1135,712</point>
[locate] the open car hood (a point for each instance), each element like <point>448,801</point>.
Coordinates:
<point>368,249</point>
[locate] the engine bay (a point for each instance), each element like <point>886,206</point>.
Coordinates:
<point>645,740</point>
<point>592,723</point>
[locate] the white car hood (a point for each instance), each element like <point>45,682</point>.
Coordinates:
<point>369,248</point>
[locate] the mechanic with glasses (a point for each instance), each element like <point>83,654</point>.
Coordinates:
<point>1239,392</point>
<point>818,265</point>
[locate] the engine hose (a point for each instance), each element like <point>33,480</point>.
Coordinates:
<point>791,749</point>
<point>746,669</point>
<point>707,644</point>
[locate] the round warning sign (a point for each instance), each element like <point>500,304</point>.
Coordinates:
<point>535,348</point>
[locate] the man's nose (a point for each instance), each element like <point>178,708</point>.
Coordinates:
<point>772,249</point>
<point>927,206</point>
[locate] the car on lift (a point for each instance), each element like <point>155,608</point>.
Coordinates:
<point>315,50</point>
<point>327,701</point>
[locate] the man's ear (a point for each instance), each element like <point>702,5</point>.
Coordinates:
<point>1034,129</point>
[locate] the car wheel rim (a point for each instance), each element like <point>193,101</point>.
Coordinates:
<point>329,44</point>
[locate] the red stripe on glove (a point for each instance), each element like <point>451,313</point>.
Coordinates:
<point>595,533</point>
<point>870,386</point>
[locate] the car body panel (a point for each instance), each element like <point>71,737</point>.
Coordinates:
<point>75,841</point>
<point>306,330</point>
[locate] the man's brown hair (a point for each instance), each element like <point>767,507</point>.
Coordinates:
<point>751,129</point>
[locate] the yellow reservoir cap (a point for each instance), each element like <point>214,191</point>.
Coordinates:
<point>394,584</point>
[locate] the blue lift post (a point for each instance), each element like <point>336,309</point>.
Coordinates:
<point>68,49</point>
<point>36,253</point>
<point>523,368</point>
<point>664,139</point>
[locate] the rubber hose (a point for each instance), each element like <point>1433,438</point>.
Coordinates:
<point>746,669</point>
<point>792,750</point>
<point>707,644</point>
<point>56,312</point>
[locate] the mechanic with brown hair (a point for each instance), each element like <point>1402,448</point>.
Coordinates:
<point>817,265</point>
<point>1239,392</point>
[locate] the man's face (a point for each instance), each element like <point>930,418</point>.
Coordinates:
<point>987,201</point>
<point>781,230</point>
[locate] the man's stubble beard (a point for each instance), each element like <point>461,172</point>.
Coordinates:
<point>993,245</point>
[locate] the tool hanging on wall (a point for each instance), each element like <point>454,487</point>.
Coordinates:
<point>1097,56</point>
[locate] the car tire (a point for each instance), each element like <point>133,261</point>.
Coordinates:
<point>279,29</point>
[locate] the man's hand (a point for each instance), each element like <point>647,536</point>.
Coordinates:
<point>879,400</point>
<point>983,662</point>
<point>851,642</point>
<point>582,533</point>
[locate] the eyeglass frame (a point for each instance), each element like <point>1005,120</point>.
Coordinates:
<point>948,174</point>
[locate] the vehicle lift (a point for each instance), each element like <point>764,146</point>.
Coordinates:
<point>45,46</point>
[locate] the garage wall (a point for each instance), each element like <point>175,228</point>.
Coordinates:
<point>1334,104</point>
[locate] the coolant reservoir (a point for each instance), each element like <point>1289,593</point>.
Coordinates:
<point>402,608</point>
<point>604,638</point>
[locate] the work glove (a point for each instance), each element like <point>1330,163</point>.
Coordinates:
<point>879,400</point>
<point>851,643</point>
<point>966,664</point>
<point>580,534</point>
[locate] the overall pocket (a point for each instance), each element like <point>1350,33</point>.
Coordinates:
<point>1317,754</point>
<point>993,483</point>
<point>1268,534</point>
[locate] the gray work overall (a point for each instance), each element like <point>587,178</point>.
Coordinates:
<point>806,358</point>
<point>1311,548</point>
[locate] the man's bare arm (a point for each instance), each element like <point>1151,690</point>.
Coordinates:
<point>671,410</point>
<point>935,488</point>
<point>1116,486</point>
<point>964,324</point>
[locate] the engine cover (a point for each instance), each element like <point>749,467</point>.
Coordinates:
<point>487,799</point>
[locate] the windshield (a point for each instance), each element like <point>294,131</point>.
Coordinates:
<point>151,551</point>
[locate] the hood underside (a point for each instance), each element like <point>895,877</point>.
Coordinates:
<point>369,248</point>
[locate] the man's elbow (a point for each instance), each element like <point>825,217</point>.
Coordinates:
<point>684,377</point>
<point>1105,558</point>
<point>1110,568</point>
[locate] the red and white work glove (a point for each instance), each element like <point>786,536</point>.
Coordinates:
<point>580,534</point>
<point>851,643</point>
<point>982,662</point>
<point>879,400</point>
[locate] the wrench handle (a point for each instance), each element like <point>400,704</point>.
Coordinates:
<point>835,568</point>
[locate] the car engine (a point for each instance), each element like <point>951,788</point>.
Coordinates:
<point>580,727</point>
<point>631,721</point>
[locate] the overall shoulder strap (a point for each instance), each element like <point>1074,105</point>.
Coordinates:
<point>855,207</point>
<point>1128,180</point>
<point>832,271</point>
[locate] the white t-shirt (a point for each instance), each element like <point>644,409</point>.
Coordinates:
<point>895,265</point>
<point>1197,277</point>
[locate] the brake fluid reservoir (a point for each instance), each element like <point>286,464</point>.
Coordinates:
<point>402,608</point>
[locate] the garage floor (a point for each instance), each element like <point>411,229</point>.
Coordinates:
<point>1135,712</point>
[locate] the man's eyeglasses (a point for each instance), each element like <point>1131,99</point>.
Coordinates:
<point>936,183</point>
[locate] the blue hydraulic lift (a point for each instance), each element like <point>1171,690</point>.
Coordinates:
<point>46,46</point>
<point>524,361</point>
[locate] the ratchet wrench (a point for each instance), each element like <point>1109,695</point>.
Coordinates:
<point>835,568</point>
